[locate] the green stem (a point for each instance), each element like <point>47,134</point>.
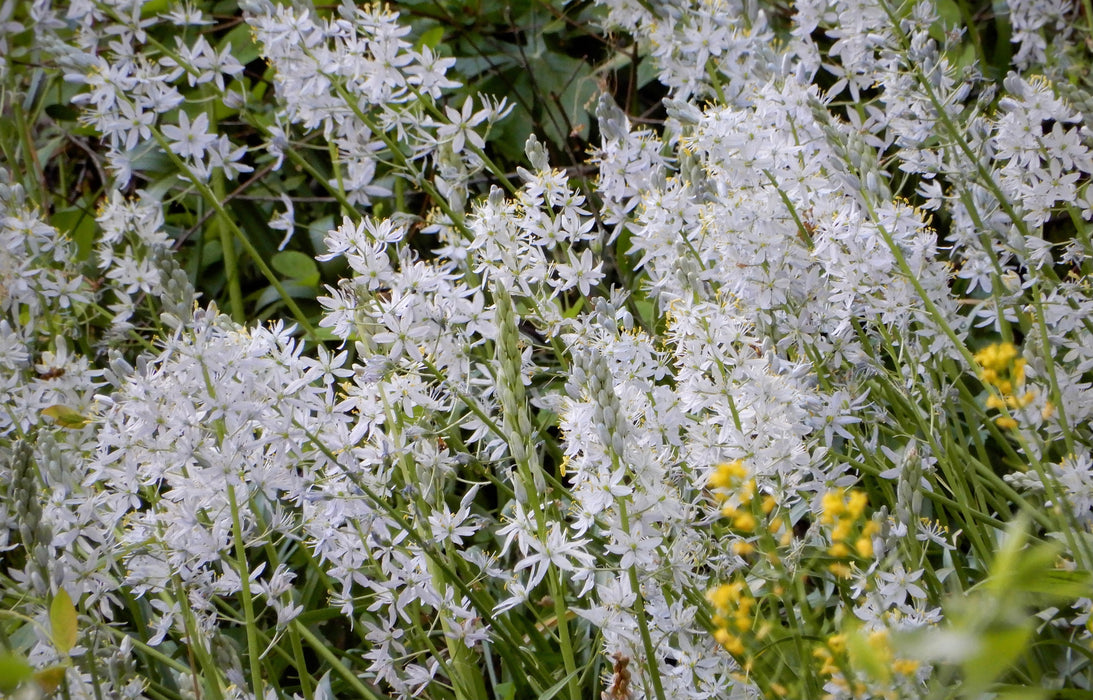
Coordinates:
<point>639,609</point>
<point>347,207</point>
<point>499,625</point>
<point>241,567</point>
<point>209,676</point>
<point>248,247</point>
<point>238,311</point>
<point>321,649</point>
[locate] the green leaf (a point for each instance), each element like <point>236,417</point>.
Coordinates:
<point>14,671</point>
<point>1024,692</point>
<point>66,417</point>
<point>1005,568</point>
<point>50,677</point>
<point>212,252</point>
<point>298,266</point>
<point>996,653</point>
<point>243,46</point>
<point>62,620</point>
<point>948,12</point>
<point>270,298</point>
<point>317,231</point>
<point>432,38</point>
<point>62,113</point>
<point>570,89</point>
<point>154,7</point>
<point>556,688</point>
<point>79,226</point>
<point>1066,585</point>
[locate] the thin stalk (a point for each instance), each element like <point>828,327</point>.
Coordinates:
<point>195,648</point>
<point>322,650</point>
<point>251,251</point>
<point>144,648</point>
<point>30,155</point>
<point>346,206</point>
<point>231,262</point>
<point>639,608</point>
<point>565,639</point>
<point>243,569</point>
<point>499,625</point>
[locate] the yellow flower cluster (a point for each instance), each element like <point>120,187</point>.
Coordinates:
<point>827,654</point>
<point>734,608</point>
<point>850,531</point>
<point>727,477</point>
<point>731,478</point>
<point>735,491</point>
<point>1002,370</point>
<point>835,657</point>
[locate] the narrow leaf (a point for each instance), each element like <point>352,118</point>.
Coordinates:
<point>554,689</point>
<point>66,417</point>
<point>62,619</point>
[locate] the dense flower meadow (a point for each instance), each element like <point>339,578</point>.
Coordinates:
<point>747,355</point>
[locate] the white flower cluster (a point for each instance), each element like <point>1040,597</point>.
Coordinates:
<point>358,80</point>
<point>507,453</point>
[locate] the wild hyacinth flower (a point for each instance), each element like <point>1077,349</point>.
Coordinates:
<point>699,45</point>
<point>792,294</point>
<point>750,295</point>
<point>321,63</point>
<point>50,389</point>
<point>1039,25</point>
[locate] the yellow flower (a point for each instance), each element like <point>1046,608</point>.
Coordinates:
<point>725,594</point>
<point>728,474</point>
<point>732,644</point>
<point>839,550</point>
<point>837,643</point>
<point>743,521</point>
<point>833,506</point>
<point>842,529</point>
<point>742,548</point>
<point>855,504</point>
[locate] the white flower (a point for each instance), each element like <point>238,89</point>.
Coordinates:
<point>460,128</point>
<point>225,155</point>
<point>285,221</point>
<point>896,586</point>
<point>636,548</point>
<point>403,334</point>
<point>453,527</point>
<point>190,139</point>
<point>580,273</point>
<point>556,550</point>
